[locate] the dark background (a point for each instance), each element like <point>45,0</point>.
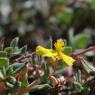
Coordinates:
<point>35,21</point>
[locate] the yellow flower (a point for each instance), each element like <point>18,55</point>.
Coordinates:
<point>56,53</point>
<point>59,45</point>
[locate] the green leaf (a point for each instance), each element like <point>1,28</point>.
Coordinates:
<point>64,16</point>
<point>79,76</point>
<point>94,58</point>
<point>3,61</point>
<point>40,87</point>
<point>23,49</point>
<point>3,54</point>
<point>79,87</point>
<point>12,88</point>
<point>88,67</point>
<point>45,67</point>
<point>86,90</point>
<point>16,65</point>
<point>81,40</point>
<point>23,84</point>
<point>60,68</point>
<point>62,1</point>
<point>50,43</point>
<point>93,4</point>
<point>9,70</point>
<point>20,68</point>
<point>67,50</point>
<point>8,49</point>
<point>20,51</point>
<point>4,70</point>
<point>9,85</point>
<point>71,36</point>
<point>14,42</point>
<point>1,75</point>
<point>11,80</point>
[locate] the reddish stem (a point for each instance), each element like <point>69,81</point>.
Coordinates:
<point>24,57</point>
<point>18,75</point>
<point>38,59</point>
<point>84,51</point>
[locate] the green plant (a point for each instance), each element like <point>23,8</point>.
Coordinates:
<point>47,75</point>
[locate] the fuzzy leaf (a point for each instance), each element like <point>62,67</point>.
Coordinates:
<point>9,50</point>
<point>3,54</point>
<point>23,49</point>
<point>14,42</point>
<point>20,68</point>
<point>81,40</point>
<point>40,87</point>
<point>9,70</point>
<point>3,61</point>
<point>20,51</point>
<point>88,67</point>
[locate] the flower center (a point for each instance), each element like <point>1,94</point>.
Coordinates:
<point>59,45</point>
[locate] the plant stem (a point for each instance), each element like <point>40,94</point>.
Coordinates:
<point>84,51</point>
<point>24,57</point>
<point>26,90</point>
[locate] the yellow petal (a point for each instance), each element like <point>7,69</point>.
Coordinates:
<point>69,60</point>
<point>41,50</point>
<point>45,52</point>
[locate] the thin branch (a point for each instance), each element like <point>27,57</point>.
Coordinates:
<point>84,51</point>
